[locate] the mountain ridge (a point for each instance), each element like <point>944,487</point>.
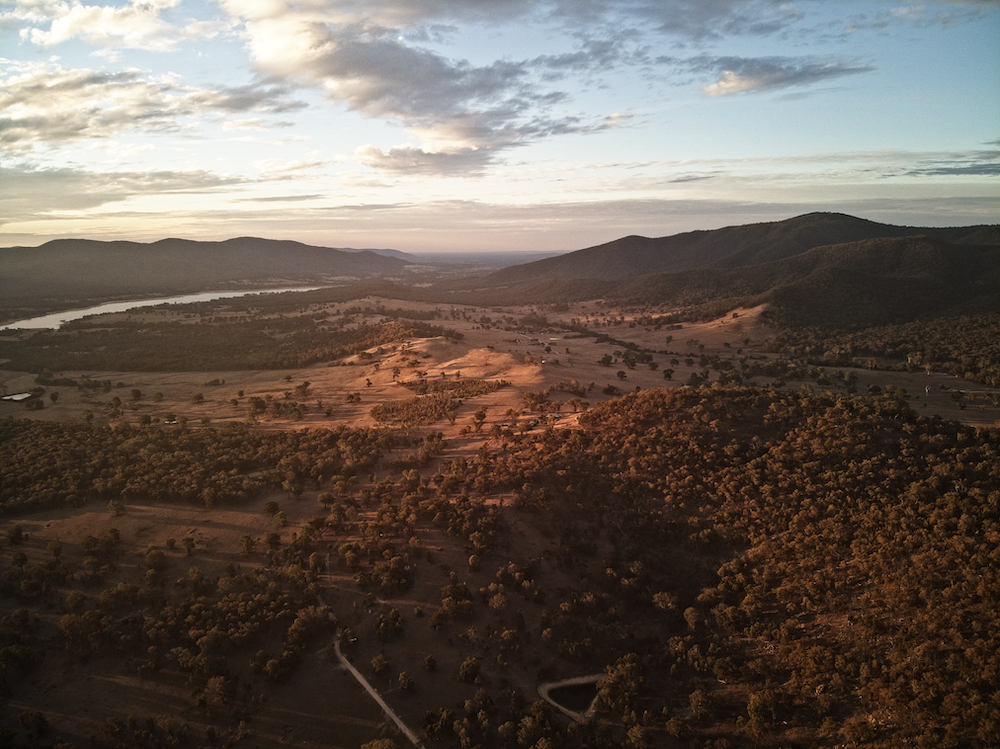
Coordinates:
<point>95,268</point>
<point>817,266</point>
<point>728,247</point>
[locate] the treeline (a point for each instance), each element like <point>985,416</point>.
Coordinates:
<point>459,388</point>
<point>424,409</point>
<point>46,464</point>
<point>439,399</point>
<point>226,343</point>
<point>967,346</point>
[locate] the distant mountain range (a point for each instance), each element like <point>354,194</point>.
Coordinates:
<point>817,269</point>
<point>807,268</point>
<point>86,269</point>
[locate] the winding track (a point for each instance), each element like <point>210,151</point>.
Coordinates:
<point>403,728</point>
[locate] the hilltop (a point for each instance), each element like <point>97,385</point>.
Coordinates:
<point>90,269</point>
<point>729,247</point>
<point>829,270</point>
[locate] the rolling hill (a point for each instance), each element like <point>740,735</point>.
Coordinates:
<point>865,283</point>
<point>84,269</point>
<point>817,269</point>
<point>730,247</point>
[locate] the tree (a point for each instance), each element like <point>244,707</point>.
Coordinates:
<point>380,744</point>
<point>247,542</point>
<point>637,737</point>
<point>317,562</point>
<point>691,617</point>
<point>700,703</point>
<point>619,689</point>
<point>469,669</point>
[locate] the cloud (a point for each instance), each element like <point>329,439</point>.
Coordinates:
<point>920,14</point>
<point>271,171</point>
<point>976,164</point>
<point>964,170</point>
<point>136,25</point>
<point>594,55</point>
<point>47,104</point>
<point>702,20</point>
<point>415,160</point>
<point>253,97</point>
<point>462,116</point>
<point>26,192</point>
<point>748,74</point>
<point>279,199</point>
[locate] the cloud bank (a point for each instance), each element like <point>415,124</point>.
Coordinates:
<point>48,104</point>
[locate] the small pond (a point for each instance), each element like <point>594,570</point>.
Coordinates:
<point>572,697</point>
<point>576,697</point>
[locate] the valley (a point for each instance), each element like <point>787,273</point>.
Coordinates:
<point>757,534</point>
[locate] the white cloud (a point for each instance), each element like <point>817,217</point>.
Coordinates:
<point>414,160</point>
<point>47,104</point>
<point>135,25</point>
<point>26,192</point>
<point>463,116</point>
<point>276,171</point>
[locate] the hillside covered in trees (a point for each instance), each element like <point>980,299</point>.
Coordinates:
<point>89,269</point>
<point>744,567</point>
<point>742,246</point>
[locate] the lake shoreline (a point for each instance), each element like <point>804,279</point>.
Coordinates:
<point>52,320</point>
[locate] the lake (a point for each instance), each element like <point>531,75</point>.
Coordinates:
<point>57,319</point>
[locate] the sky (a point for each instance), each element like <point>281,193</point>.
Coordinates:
<point>473,125</point>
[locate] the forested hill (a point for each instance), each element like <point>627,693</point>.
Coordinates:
<point>87,268</point>
<point>730,247</point>
<point>873,282</point>
<point>892,277</point>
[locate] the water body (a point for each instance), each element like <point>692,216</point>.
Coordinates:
<point>577,697</point>
<point>58,319</point>
<point>572,697</point>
